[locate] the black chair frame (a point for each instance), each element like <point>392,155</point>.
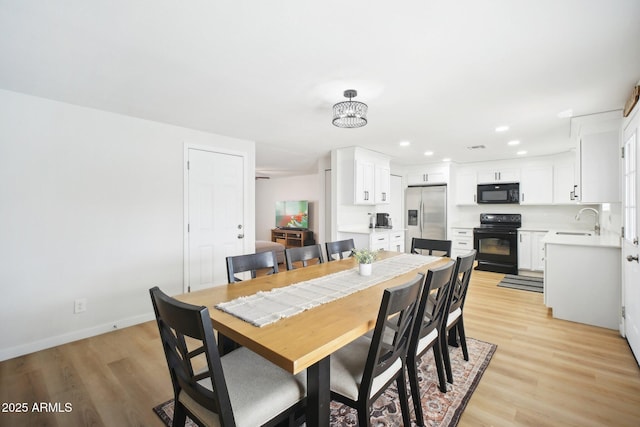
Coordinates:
<point>339,247</point>
<point>303,254</point>
<point>395,318</point>
<point>431,314</point>
<point>431,245</point>
<point>454,331</point>
<point>252,263</point>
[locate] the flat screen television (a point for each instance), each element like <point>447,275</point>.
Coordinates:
<point>292,214</point>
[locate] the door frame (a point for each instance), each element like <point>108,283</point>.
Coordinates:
<point>249,207</point>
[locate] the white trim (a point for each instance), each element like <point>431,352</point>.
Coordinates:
<point>185,216</point>
<point>32,347</point>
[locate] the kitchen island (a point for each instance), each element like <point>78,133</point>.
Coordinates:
<point>582,281</point>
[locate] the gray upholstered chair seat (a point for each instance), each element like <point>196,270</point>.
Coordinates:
<point>347,368</point>
<point>453,316</point>
<point>258,390</point>
<point>426,341</point>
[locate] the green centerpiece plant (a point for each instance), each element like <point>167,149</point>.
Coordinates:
<point>365,258</point>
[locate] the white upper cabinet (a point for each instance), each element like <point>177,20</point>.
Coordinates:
<point>598,157</point>
<point>466,187</point>
<point>564,187</point>
<point>364,181</point>
<point>364,176</point>
<point>498,175</point>
<point>428,175</point>
<point>536,185</point>
<point>382,184</point>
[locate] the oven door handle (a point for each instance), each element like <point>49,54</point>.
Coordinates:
<point>501,232</point>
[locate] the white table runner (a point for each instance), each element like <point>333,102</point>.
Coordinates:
<point>264,308</point>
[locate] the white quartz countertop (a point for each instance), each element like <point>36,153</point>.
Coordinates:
<point>366,230</point>
<point>558,237</point>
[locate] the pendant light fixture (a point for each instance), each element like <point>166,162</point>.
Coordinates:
<point>350,114</point>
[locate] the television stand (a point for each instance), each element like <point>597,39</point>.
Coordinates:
<point>292,238</point>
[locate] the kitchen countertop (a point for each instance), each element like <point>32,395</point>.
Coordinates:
<point>606,239</point>
<point>366,230</point>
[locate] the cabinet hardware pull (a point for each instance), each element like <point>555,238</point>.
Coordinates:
<point>631,258</point>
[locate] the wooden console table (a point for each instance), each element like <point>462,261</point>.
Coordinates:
<point>292,238</point>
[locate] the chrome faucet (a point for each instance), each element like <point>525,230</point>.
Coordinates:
<point>597,217</point>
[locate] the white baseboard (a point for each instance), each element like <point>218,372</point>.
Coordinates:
<point>20,350</point>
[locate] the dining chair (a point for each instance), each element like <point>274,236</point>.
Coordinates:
<point>363,369</point>
<point>453,328</point>
<point>430,245</point>
<point>339,248</point>
<point>303,255</point>
<point>251,262</point>
<point>430,316</point>
<point>239,389</point>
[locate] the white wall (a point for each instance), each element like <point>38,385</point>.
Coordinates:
<point>304,187</point>
<point>91,206</point>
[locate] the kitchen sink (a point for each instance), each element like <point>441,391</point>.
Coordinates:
<point>573,233</point>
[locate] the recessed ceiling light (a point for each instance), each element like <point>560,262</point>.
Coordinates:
<point>514,142</point>
<point>405,143</point>
<point>428,153</point>
<point>565,114</point>
<point>446,159</point>
<point>502,128</point>
<point>521,153</point>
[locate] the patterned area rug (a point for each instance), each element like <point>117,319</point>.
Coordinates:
<point>440,409</point>
<point>524,283</point>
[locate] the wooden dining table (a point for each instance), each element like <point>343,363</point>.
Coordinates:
<point>305,340</point>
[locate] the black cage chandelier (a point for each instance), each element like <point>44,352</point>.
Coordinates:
<point>350,114</point>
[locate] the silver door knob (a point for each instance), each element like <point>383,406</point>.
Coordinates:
<point>631,258</point>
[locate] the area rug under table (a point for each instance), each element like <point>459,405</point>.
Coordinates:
<point>440,409</point>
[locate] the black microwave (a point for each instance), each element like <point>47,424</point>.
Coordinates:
<point>499,193</point>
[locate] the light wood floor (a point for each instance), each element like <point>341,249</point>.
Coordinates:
<point>546,372</point>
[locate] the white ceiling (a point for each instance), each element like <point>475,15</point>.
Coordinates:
<point>440,74</point>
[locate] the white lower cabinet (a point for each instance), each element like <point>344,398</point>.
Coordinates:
<point>531,250</point>
<point>582,284</point>
<point>385,240</point>
<point>396,241</point>
<point>461,241</point>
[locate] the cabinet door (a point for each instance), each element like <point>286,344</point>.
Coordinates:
<point>536,185</point>
<point>466,188</point>
<point>537,250</point>
<point>364,183</point>
<point>524,250</point>
<point>382,185</point>
<point>599,167</point>
<point>428,176</point>
<point>379,242</point>
<point>396,241</point>
<point>498,175</point>
<point>563,183</point>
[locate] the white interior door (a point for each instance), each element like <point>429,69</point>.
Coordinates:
<point>630,250</point>
<point>215,192</point>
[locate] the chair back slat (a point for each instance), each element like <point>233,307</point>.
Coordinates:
<point>432,309</point>
<point>339,248</point>
<point>177,320</point>
<point>460,282</point>
<point>442,247</point>
<point>252,263</point>
<point>395,319</point>
<point>303,255</point>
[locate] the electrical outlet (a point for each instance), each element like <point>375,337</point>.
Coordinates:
<point>80,305</point>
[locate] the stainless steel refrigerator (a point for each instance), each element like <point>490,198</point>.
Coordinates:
<point>426,213</point>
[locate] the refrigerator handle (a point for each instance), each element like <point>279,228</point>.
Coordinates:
<point>420,217</point>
